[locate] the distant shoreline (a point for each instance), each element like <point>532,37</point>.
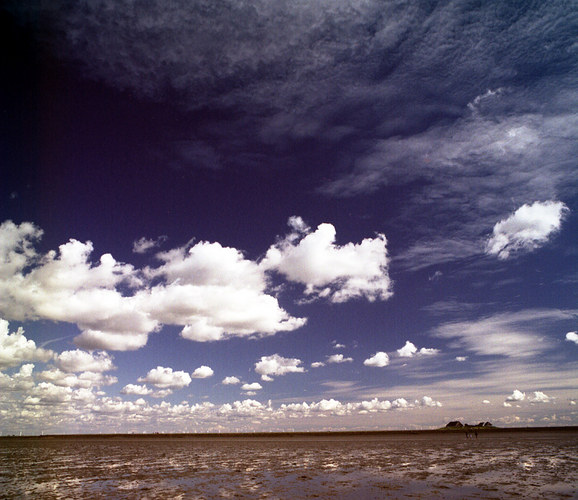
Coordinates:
<point>303,434</point>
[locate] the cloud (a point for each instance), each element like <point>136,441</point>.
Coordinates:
<point>317,364</point>
<point>231,381</point>
<point>511,334</point>
<point>528,228</point>
<point>16,349</point>
<point>478,167</point>
<point>210,290</point>
<point>516,396</point>
<point>215,293</point>
<point>65,286</point>
<point>540,397</point>
<point>202,372</point>
<point>327,270</point>
<point>143,245</point>
<point>165,378</point>
<point>277,365</point>
<point>86,379</point>
<point>409,350</point>
<point>379,359</point>
<point>461,359</point>
<point>80,361</point>
<point>338,358</point>
<point>255,386</point>
<point>572,337</point>
<point>430,402</point>
<point>23,380</point>
<point>140,390</point>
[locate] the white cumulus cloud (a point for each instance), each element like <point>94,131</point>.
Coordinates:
<point>572,337</point>
<point>339,273</point>
<point>409,350</point>
<point>516,396</point>
<point>540,397</point>
<point>255,386</point>
<point>140,390</point>
<point>338,358</point>
<point>15,348</point>
<point>80,361</point>
<point>230,381</point>
<point>202,372</point>
<point>165,378</point>
<point>277,365</point>
<point>212,291</point>
<point>526,229</point>
<point>379,359</point>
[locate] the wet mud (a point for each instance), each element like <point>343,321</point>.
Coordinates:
<point>430,466</point>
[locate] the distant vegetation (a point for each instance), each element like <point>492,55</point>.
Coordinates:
<point>456,424</point>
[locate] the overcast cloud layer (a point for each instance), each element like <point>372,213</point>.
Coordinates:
<point>273,215</point>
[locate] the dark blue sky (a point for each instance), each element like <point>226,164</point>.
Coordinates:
<point>366,208</point>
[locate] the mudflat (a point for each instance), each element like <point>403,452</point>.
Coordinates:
<point>506,464</point>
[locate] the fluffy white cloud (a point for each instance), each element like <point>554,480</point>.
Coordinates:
<point>339,273</point>
<point>526,229</point>
<point>277,365</point>
<point>202,372</point>
<point>141,390</point>
<point>427,401</point>
<point>255,386</point>
<point>16,246</point>
<point>66,286</point>
<point>113,341</point>
<point>15,348</point>
<point>84,380</point>
<point>461,359</point>
<point>81,361</point>
<point>379,359</point>
<point>409,350</point>
<point>21,381</point>
<point>214,292</point>
<point>540,397</point>
<point>317,364</point>
<point>516,396</point>
<point>166,378</point>
<point>338,358</point>
<point>48,393</point>
<point>572,337</point>
<point>210,290</point>
<point>231,381</point>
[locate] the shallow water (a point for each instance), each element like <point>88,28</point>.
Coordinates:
<point>496,465</point>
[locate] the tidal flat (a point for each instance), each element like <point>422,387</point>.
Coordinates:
<point>429,465</point>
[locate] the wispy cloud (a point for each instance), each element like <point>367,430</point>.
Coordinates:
<point>511,334</point>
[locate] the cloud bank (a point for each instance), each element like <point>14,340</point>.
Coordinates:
<point>213,292</point>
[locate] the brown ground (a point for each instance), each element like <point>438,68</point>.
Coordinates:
<point>541,464</point>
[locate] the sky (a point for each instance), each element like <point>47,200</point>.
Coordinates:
<point>233,216</point>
